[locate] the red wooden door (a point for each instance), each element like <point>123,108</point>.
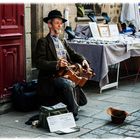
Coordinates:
<point>12,65</point>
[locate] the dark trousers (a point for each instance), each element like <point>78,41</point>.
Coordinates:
<point>65,92</point>
<point>58,90</point>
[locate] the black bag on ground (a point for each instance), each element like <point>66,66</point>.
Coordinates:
<point>24,96</point>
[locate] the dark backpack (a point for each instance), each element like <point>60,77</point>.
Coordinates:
<point>24,96</point>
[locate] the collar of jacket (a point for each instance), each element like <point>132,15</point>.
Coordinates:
<point>51,45</point>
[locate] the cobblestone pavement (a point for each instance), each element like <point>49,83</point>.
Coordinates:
<point>93,121</point>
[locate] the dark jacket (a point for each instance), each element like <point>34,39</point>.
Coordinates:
<point>46,61</point>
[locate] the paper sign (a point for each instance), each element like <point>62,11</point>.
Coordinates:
<point>113,30</point>
<point>61,122</point>
<point>94,29</point>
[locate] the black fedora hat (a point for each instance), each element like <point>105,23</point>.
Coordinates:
<point>54,14</point>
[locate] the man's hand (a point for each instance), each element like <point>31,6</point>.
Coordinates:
<point>85,64</point>
<point>62,63</point>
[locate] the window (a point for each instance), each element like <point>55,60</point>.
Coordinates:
<point>83,9</point>
<point>92,8</point>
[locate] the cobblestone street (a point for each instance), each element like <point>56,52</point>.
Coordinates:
<point>93,121</point>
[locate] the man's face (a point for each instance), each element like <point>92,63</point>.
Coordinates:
<point>56,25</point>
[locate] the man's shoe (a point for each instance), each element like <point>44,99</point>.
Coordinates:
<point>76,118</point>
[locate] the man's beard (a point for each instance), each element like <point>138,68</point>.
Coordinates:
<point>58,31</point>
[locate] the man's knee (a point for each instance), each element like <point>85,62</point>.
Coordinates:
<point>64,83</point>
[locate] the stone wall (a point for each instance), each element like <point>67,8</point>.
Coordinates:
<point>42,10</point>
<point>27,12</point>
<point>113,10</point>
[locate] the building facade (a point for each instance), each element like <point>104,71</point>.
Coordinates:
<point>21,26</point>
